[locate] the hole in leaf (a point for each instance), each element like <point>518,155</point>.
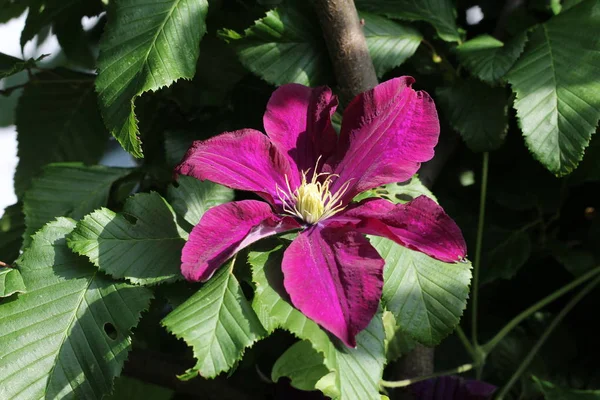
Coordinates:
<point>132,219</point>
<point>404,197</point>
<point>404,183</point>
<point>111,331</point>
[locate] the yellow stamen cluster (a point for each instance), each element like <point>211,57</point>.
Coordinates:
<point>312,201</point>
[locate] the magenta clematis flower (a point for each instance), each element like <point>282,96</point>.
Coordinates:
<point>308,176</point>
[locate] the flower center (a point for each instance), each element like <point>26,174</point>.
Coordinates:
<point>312,201</point>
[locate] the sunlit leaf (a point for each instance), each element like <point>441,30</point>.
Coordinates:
<point>11,282</point>
<point>146,45</point>
<point>558,106</point>
<point>69,335</point>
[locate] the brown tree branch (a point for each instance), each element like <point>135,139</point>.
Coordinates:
<point>342,29</point>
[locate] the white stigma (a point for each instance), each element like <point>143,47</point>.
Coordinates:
<point>312,201</point>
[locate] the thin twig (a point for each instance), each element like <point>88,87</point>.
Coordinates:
<point>407,382</point>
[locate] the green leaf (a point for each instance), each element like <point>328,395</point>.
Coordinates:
<point>192,197</point>
<point>217,322</point>
<point>12,226</point>
<point>401,192</point>
<point>10,9</point>
<point>439,13</point>
<point>146,45</point>
<point>58,113</point>
<point>396,343</point>
<point>10,65</point>
<point>70,190</point>
<point>426,296</point>
<point>554,392</point>
<point>134,389</point>
<point>302,364</point>
<point>145,252</point>
<point>489,59</point>
<point>478,112</point>
<point>283,47</point>
<point>357,372</point>
<point>507,251</point>
<point>11,282</point>
<point>558,106</point>
<point>69,335</point>
<point>389,43</point>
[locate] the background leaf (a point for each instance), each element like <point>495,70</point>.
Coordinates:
<point>554,392</point>
<point>134,389</point>
<point>217,322</point>
<point>70,190</point>
<point>146,251</point>
<point>12,226</point>
<point>477,111</point>
<point>69,335</point>
<point>489,59</point>
<point>439,13</point>
<point>146,45</point>
<point>57,120</point>
<point>558,106</point>
<point>192,197</point>
<point>10,65</point>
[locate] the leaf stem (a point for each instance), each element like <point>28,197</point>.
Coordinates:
<point>465,341</point>
<point>407,382</point>
<point>489,346</point>
<point>478,245</point>
<point>534,350</point>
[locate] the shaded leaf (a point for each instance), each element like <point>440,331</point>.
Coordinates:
<point>554,392</point>
<point>146,251</point>
<point>396,343</point>
<point>146,45</point>
<point>217,322</point>
<point>505,253</point>
<point>11,282</point>
<point>302,364</point>
<point>67,125</point>
<point>439,13</point>
<point>134,389</point>
<point>477,111</point>
<point>10,65</point>
<point>70,190</point>
<point>589,168</point>
<point>426,296</point>
<point>192,197</point>
<point>489,59</point>
<point>558,106</point>
<point>69,335</point>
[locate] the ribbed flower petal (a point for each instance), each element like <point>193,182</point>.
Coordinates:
<point>386,133</point>
<point>226,229</point>
<point>298,121</point>
<point>245,160</point>
<point>335,277</point>
<point>419,225</point>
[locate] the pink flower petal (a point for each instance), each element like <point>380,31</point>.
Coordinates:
<point>298,121</point>
<point>226,229</point>
<point>386,133</point>
<point>419,225</point>
<point>245,160</point>
<point>335,277</point>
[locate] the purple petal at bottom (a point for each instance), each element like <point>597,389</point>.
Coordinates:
<point>452,388</point>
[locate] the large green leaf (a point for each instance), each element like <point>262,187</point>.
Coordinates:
<point>477,111</point>
<point>426,296</point>
<point>10,65</point>
<point>355,373</point>
<point>146,251</point>
<point>302,364</point>
<point>555,392</point>
<point>217,322</point>
<point>57,120</point>
<point>146,45</point>
<point>439,13</point>
<point>488,58</point>
<point>558,106</point>
<point>287,46</point>
<point>192,197</point>
<point>12,226</point>
<point>11,282</point>
<point>69,335</point>
<point>69,190</point>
